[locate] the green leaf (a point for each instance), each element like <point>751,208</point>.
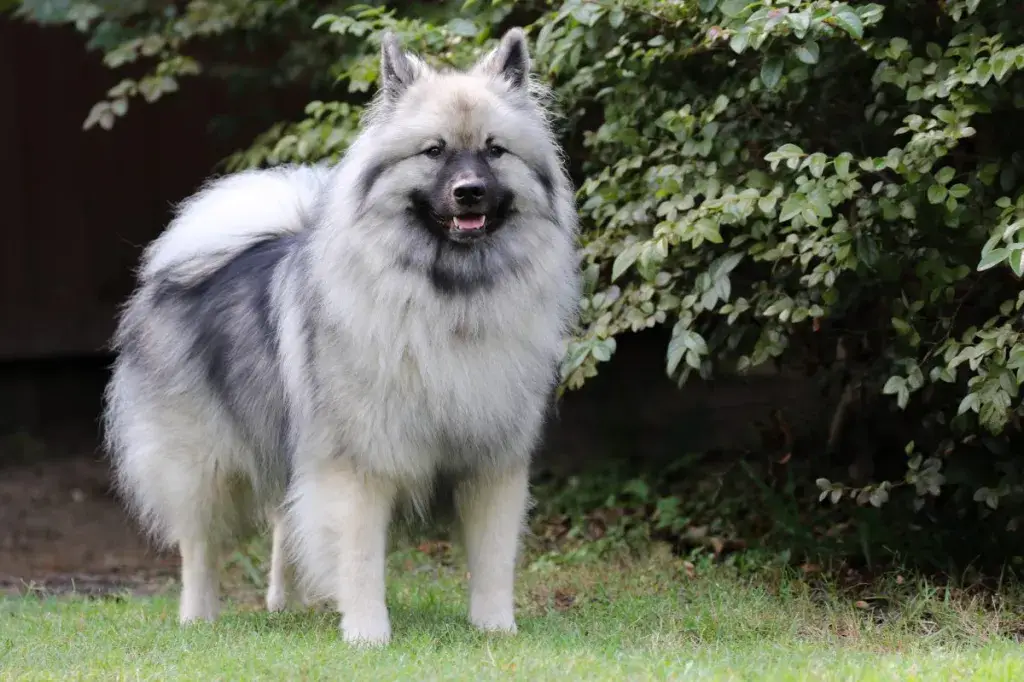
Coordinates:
<point>733,8</point>
<point>850,22</point>
<point>800,21</point>
<point>601,352</point>
<point>898,46</point>
<point>816,164</point>
<point>893,385</point>
<point>687,344</point>
<point>970,403</point>
<point>674,356</point>
<point>1017,262</point>
<point>945,115</point>
<point>588,14</point>
<point>771,71</point>
<point>936,194</point>
<point>625,259</point>
<point>842,164</point>
<point>945,175</point>
<point>708,229</point>
<point>901,326</point>
<point>727,264</point>
<point>879,496</point>
<point>699,345</point>
<point>959,191</point>
<point>903,397</point>
<point>1001,64</point>
<point>738,41</point>
<point>809,52</point>
<point>792,206</point>
<point>992,258</point>
<point>463,27</point>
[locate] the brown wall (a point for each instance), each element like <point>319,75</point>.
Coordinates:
<point>75,206</point>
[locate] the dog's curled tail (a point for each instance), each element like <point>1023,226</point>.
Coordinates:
<point>229,214</point>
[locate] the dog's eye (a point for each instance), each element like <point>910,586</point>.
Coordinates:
<point>434,151</point>
<point>496,151</point>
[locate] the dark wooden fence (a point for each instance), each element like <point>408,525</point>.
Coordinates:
<point>75,206</point>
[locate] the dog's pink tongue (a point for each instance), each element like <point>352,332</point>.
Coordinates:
<point>469,222</point>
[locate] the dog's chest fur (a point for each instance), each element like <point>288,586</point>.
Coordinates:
<point>439,384</point>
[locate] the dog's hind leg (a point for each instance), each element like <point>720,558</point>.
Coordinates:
<point>199,525</point>
<point>200,588</point>
<point>173,487</point>
<point>277,590</point>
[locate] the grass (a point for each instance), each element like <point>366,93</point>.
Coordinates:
<point>656,617</point>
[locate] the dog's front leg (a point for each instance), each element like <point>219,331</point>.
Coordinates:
<point>341,516</point>
<point>362,512</point>
<point>492,508</point>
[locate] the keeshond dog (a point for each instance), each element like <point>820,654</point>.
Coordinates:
<point>316,347</point>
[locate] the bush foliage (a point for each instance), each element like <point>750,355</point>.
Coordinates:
<point>830,184</point>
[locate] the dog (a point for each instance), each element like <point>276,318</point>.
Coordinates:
<point>315,347</point>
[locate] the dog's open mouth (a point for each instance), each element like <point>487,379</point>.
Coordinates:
<point>470,227</point>
<point>464,225</point>
<point>471,222</point>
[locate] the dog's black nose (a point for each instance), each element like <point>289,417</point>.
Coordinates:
<point>469,192</point>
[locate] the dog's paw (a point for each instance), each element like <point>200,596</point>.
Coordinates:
<point>201,612</point>
<point>277,600</point>
<point>366,630</point>
<point>496,622</point>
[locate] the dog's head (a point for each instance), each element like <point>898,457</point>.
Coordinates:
<point>464,152</point>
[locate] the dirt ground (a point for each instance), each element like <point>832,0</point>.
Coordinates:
<point>61,528</point>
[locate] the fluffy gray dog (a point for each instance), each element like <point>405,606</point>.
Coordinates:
<point>317,347</point>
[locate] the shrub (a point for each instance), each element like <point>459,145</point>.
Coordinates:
<point>826,183</point>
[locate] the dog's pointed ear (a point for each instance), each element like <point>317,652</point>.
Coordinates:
<point>398,69</point>
<point>510,60</point>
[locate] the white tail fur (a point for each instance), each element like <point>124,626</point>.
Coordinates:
<point>229,214</point>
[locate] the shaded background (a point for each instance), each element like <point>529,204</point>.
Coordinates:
<point>78,208</point>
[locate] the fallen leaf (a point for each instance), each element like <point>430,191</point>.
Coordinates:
<point>564,599</point>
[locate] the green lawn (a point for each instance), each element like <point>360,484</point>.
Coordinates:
<point>656,618</point>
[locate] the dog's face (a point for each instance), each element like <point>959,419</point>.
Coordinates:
<point>466,153</point>
<point>467,200</point>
